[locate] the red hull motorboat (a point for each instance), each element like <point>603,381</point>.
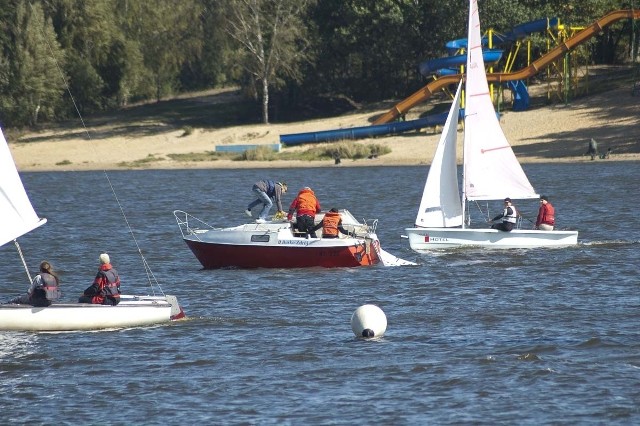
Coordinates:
<point>274,244</point>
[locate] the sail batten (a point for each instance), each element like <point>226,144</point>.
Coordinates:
<point>17,216</point>
<point>491,169</point>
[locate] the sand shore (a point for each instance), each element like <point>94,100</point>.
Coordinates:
<point>557,133</point>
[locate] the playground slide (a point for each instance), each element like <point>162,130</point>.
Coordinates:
<point>520,95</point>
<point>528,28</point>
<point>432,65</point>
<point>516,33</point>
<point>363,131</point>
<point>535,67</point>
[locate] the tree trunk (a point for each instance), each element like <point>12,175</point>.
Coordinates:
<point>265,100</point>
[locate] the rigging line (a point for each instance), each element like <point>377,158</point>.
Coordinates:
<point>24,262</point>
<point>480,209</point>
<point>148,271</point>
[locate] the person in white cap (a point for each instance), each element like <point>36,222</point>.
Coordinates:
<point>105,289</point>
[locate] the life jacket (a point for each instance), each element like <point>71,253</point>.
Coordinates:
<point>50,286</point>
<point>271,188</point>
<point>330,224</point>
<point>510,217</point>
<point>306,202</point>
<point>111,283</point>
<point>548,215</point>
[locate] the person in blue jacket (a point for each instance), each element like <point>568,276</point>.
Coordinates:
<point>266,191</point>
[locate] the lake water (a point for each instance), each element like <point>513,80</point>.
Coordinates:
<point>474,336</point>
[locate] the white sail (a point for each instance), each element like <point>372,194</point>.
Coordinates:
<point>17,216</point>
<point>491,169</point>
<point>440,205</point>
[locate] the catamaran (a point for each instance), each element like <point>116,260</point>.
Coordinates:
<point>491,171</point>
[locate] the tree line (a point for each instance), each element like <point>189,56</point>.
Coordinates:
<point>287,55</point>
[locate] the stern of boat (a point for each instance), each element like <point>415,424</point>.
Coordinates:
<point>176,310</point>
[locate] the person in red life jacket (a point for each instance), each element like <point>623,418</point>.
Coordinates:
<point>105,289</point>
<point>509,217</point>
<point>546,215</point>
<point>44,288</point>
<point>331,224</point>
<point>305,205</point>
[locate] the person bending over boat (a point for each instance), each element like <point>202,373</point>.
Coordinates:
<point>331,224</point>
<point>509,217</point>
<point>546,215</point>
<point>266,190</point>
<point>306,205</point>
<point>44,288</point>
<point>105,289</point>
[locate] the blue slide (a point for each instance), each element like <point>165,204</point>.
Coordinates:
<point>517,33</point>
<point>362,132</point>
<point>520,95</point>
<point>449,64</point>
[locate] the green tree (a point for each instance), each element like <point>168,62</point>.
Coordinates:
<point>32,79</point>
<point>271,36</point>
<point>168,34</point>
<point>371,50</point>
<point>87,31</point>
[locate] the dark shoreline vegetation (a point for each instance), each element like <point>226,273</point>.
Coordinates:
<point>301,59</point>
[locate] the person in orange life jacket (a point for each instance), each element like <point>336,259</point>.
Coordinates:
<point>105,289</point>
<point>331,224</point>
<point>546,215</point>
<point>43,290</point>
<point>306,205</point>
<point>266,190</point>
<point>509,217</point>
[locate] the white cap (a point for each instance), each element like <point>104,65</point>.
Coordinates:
<point>104,258</point>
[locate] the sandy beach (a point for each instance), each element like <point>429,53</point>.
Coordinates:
<point>555,133</point>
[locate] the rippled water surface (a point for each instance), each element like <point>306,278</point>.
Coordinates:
<point>474,336</point>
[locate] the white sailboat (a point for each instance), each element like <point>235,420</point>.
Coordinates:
<point>18,217</point>
<point>491,171</point>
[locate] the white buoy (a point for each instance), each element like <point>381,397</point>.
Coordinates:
<point>368,321</point>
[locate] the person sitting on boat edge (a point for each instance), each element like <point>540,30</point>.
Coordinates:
<point>105,289</point>
<point>509,217</point>
<point>266,190</point>
<point>305,205</point>
<point>331,224</point>
<point>546,215</point>
<point>43,290</point>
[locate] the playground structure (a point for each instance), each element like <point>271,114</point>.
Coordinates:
<point>454,63</point>
<point>532,69</point>
<point>385,124</point>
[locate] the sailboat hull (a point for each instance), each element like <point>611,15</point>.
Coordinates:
<point>427,239</point>
<point>132,311</point>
